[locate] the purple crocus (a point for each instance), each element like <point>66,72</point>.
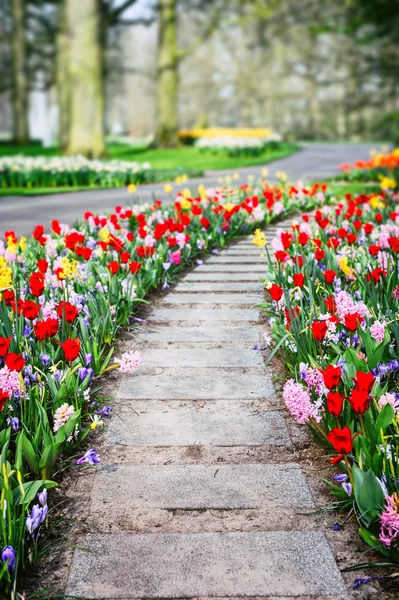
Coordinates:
<point>105,411</point>
<point>88,359</point>
<point>8,554</point>
<point>347,487</point>
<point>91,457</point>
<point>341,477</point>
<point>45,359</point>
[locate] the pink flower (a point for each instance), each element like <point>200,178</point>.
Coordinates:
<point>388,399</point>
<point>314,378</point>
<point>129,361</point>
<point>175,257</point>
<point>389,520</point>
<point>9,381</point>
<point>62,415</point>
<point>377,331</point>
<point>298,402</point>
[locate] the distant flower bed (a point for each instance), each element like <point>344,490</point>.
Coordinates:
<point>63,298</point>
<point>68,171</point>
<point>381,167</point>
<point>234,142</point>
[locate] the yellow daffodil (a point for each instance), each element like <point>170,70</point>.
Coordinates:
<point>388,183</point>
<point>185,204</point>
<point>167,188</point>
<point>265,172</point>
<point>236,176</point>
<point>131,188</point>
<point>343,263</point>
<point>259,238</point>
<point>104,235</point>
<point>281,175</point>
<point>186,193</point>
<point>375,202</point>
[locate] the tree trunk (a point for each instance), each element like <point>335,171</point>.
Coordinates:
<point>85,76</point>
<point>168,76</point>
<point>19,76</point>
<point>62,78</point>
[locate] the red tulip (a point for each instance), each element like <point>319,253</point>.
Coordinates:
<point>67,311</point>
<point>4,346</point>
<point>36,284</point>
<point>341,440</point>
<point>364,381</point>
<point>299,279</point>
<point>42,265</point>
<point>3,399</point>
<point>205,223</point>
<point>359,401</point>
<point>303,238</point>
<point>329,275</point>
<point>71,349</point>
<point>352,321</point>
<point>30,310</point>
<point>334,403</point>
<point>281,256</point>
<point>319,254</point>
<point>135,267</point>
<point>113,267</point>
<point>276,292</point>
<point>332,376</point>
<point>15,362</point>
<point>319,329</point>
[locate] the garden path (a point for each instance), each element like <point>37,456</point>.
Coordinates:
<point>315,161</point>
<point>198,495</point>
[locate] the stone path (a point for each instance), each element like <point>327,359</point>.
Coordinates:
<point>196,496</point>
<point>314,161</point>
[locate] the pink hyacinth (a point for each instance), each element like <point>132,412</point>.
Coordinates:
<point>298,402</point>
<point>9,381</point>
<point>129,361</point>
<point>389,520</point>
<point>377,331</point>
<point>388,399</point>
<point>314,378</point>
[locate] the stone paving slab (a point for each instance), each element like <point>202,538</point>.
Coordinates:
<point>204,564</point>
<point>247,252</point>
<point>202,358</point>
<point>197,487</point>
<point>245,336</point>
<point>232,315</point>
<point>225,258</point>
<point>198,276</point>
<point>229,267</point>
<point>218,286</point>
<point>230,299</point>
<point>211,387</point>
<point>170,427</point>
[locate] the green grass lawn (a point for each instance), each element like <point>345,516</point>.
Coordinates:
<point>186,158</point>
<point>340,189</point>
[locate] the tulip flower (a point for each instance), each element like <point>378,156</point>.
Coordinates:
<point>364,381</point>
<point>299,279</point>
<point>341,439</point>
<point>352,321</point>
<point>71,348</point>
<point>329,276</point>
<point>359,401</point>
<point>332,376</point>
<point>319,330</point>
<point>276,292</point>
<point>67,311</point>
<point>334,403</point>
<point>15,362</point>
<point>4,346</point>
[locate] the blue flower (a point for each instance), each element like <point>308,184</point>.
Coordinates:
<point>8,554</point>
<point>91,457</point>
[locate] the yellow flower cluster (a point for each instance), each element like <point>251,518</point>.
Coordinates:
<point>5,274</point>
<point>181,179</point>
<point>214,132</point>
<point>259,238</point>
<point>69,268</point>
<point>104,235</point>
<point>375,202</point>
<point>345,268</point>
<point>387,183</point>
<point>185,204</point>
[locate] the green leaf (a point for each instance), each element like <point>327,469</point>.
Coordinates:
<point>31,489</point>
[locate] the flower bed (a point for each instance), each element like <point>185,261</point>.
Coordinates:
<point>333,298</point>
<point>64,297</point>
<point>73,171</point>
<point>238,145</point>
<point>383,168</point>
<point>234,142</point>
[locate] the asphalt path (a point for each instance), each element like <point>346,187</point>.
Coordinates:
<point>313,162</point>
